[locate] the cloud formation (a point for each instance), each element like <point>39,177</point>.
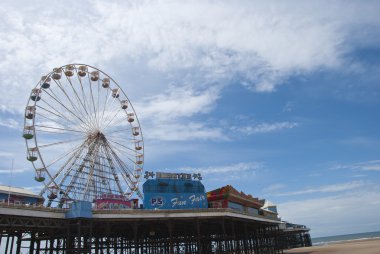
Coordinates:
<point>264,128</point>
<point>9,123</point>
<point>274,187</point>
<point>226,169</point>
<point>258,44</point>
<point>192,50</point>
<point>325,189</point>
<point>337,214</point>
<point>373,165</point>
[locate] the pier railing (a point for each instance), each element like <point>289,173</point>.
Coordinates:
<point>137,211</point>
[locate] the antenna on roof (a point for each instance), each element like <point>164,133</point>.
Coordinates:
<point>10,183</point>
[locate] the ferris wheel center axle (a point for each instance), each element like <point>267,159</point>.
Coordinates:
<point>97,135</point>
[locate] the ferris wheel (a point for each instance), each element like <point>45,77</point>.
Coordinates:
<point>83,136</point>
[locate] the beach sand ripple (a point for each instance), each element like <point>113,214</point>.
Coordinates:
<point>370,246</point>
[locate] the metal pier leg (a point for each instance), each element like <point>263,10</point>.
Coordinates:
<point>31,244</point>
<point>6,245</point>
<point>12,243</point>
<point>38,243</point>
<point>236,248</point>
<point>200,249</point>
<point>170,227</point>
<point>18,243</point>
<point>136,246</point>
<point>96,245</point>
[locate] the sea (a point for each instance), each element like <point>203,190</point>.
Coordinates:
<point>317,241</point>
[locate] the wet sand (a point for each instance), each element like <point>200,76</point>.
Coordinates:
<point>371,246</point>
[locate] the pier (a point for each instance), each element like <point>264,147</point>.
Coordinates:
<point>45,230</point>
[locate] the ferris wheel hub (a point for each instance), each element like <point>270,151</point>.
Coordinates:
<point>97,135</point>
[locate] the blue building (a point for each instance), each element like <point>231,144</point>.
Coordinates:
<point>79,209</point>
<point>174,191</point>
<point>19,196</point>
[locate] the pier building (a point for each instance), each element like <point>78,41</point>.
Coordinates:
<point>19,196</point>
<point>174,191</point>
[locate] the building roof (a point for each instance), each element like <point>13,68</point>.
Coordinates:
<point>268,204</point>
<point>230,193</point>
<point>269,207</point>
<point>18,191</point>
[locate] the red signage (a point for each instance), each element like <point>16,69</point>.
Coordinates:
<point>113,201</point>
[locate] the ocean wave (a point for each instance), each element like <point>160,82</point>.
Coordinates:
<point>327,242</point>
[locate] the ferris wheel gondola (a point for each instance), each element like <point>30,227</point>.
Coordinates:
<point>82,136</point>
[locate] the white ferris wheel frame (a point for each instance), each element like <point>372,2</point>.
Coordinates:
<point>123,160</point>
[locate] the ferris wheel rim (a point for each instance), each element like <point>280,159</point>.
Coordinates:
<point>33,103</point>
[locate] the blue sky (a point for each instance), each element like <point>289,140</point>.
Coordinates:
<point>280,100</point>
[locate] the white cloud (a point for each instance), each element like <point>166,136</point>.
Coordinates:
<point>326,189</point>
<point>371,168</point>
<point>274,187</point>
<point>178,102</point>
<point>35,189</point>
<point>361,141</point>
<point>6,154</point>
<point>14,171</point>
<point>182,132</point>
<point>9,123</point>
<point>350,212</point>
<point>259,44</point>
<point>373,165</point>
<point>190,49</point>
<point>289,106</point>
<point>164,116</point>
<point>237,168</point>
<point>358,176</point>
<point>368,166</point>
<point>264,127</point>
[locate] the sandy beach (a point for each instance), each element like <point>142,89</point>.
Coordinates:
<point>371,246</point>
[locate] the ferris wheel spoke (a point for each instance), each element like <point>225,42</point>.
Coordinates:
<point>91,180</point>
<point>112,167</point>
<point>82,89</point>
<point>113,118</point>
<point>93,102</point>
<point>53,178</point>
<point>76,177</point>
<point>97,97</point>
<point>85,101</point>
<point>110,109</point>
<point>121,121</point>
<point>127,148</point>
<point>55,132</point>
<point>68,168</point>
<point>58,114</point>
<point>121,138</point>
<point>119,161</point>
<point>122,152</point>
<point>129,181</point>
<point>58,143</point>
<point>74,107</point>
<point>53,120</point>
<point>108,96</point>
<point>76,94</point>
<point>73,151</point>
<point>117,131</point>
<point>56,128</point>
<point>59,102</point>
<point>57,98</point>
<point>74,157</point>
